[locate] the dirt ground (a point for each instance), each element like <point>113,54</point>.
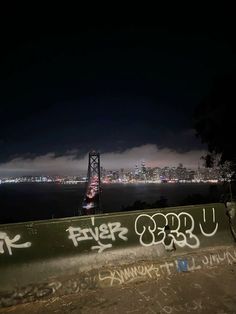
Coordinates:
<point>211,290</point>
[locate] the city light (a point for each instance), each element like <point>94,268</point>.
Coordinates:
<point>139,174</point>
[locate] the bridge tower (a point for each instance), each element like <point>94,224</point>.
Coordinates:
<point>92,199</point>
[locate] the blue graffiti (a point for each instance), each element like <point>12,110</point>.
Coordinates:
<point>182,265</point>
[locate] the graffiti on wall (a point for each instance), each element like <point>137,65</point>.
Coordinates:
<point>129,274</point>
<point>208,223</point>
<point>29,293</point>
<point>8,244</point>
<point>170,229</point>
<point>106,231</point>
<point>126,274</point>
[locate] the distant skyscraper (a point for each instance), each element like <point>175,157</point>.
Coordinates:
<point>143,167</point>
<point>143,171</point>
<point>136,170</point>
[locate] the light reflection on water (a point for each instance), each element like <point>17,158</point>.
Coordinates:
<point>21,202</point>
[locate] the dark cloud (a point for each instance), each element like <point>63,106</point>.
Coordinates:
<point>106,88</point>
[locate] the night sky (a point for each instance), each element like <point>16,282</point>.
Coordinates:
<point>129,92</point>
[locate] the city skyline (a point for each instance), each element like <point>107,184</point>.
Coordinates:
<point>140,173</point>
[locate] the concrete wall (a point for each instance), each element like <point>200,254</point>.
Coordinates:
<point>33,252</point>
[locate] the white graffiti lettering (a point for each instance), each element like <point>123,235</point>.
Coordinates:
<point>120,276</point>
<point>172,228</point>
<point>109,231</point>
<point>153,230</point>
<point>188,307</point>
<point>217,258</point>
<point>129,274</point>
<point>11,243</point>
